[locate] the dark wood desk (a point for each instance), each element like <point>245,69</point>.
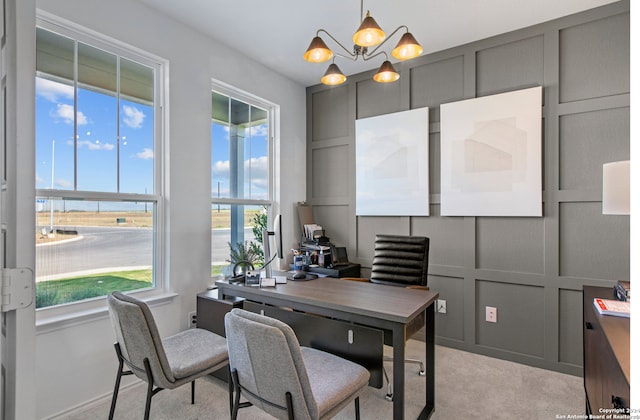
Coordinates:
<point>373,305</point>
<point>607,356</point>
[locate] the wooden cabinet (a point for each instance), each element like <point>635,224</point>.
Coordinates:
<point>606,355</point>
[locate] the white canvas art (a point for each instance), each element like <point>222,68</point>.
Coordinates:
<point>392,164</point>
<point>491,155</point>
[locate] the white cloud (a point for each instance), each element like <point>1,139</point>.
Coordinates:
<point>65,112</point>
<point>220,168</point>
<point>64,183</point>
<point>51,90</point>
<point>257,167</point>
<point>39,179</point>
<point>133,117</point>
<point>145,154</point>
<point>95,145</point>
<point>260,130</point>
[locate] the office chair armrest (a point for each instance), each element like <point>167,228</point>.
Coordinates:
<point>418,287</point>
<point>362,279</point>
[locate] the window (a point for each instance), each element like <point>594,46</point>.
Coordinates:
<point>241,177</point>
<point>98,145</point>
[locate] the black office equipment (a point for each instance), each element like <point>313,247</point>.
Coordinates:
<point>300,275</point>
<point>339,256</point>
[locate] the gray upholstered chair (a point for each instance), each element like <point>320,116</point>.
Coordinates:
<point>276,374</point>
<point>163,363</point>
<point>400,261</point>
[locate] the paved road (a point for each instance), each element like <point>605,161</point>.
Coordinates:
<point>105,248</point>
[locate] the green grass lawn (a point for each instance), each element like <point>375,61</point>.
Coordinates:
<point>57,292</point>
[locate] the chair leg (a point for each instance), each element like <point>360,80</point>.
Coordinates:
<point>147,406</point>
<point>193,392</point>
<point>357,404</point>
<point>236,390</point>
<point>117,386</point>
<point>150,391</point>
<point>289,399</point>
<point>421,372</point>
<point>230,381</point>
<point>389,396</point>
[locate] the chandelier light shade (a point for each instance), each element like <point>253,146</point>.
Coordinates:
<point>333,76</point>
<point>368,35</point>
<point>318,52</point>
<point>386,73</point>
<point>407,48</point>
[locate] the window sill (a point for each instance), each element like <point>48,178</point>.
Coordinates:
<point>66,316</point>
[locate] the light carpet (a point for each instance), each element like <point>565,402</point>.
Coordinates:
<point>468,386</point>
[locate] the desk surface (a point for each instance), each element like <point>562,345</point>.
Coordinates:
<point>388,303</point>
<point>373,305</point>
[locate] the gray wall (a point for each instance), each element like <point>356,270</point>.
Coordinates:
<point>531,269</point>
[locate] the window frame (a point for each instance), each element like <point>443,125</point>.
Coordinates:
<point>273,113</point>
<point>73,312</point>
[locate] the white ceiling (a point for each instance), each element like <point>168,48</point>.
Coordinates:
<point>277,32</point>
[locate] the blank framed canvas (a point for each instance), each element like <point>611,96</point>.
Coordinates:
<point>491,155</point>
<point>392,164</point>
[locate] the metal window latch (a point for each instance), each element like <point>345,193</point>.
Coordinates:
<point>17,288</point>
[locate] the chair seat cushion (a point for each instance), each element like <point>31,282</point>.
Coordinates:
<point>195,350</point>
<point>333,391</point>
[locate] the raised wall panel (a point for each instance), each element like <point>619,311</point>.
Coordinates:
<point>335,221</point>
<point>370,226</point>
<point>589,139</point>
<point>511,66</point>
<point>446,237</point>
<point>595,59</point>
<point>570,327</point>
<point>330,169</point>
<point>531,269</point>
<point>434,163</point>
<point>377,98</point>
<point>510,244</point>
<point>521,313</point>
<point>436,83</point>
<point>451,289</point>
<point>330,118</point>
<point>593,245</point>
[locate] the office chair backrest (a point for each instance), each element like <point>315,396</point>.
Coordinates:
<point>400,260</point>
<point>266,355</point>
<point>138,336</point>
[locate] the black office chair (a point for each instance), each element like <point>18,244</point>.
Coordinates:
<point>400,261</point>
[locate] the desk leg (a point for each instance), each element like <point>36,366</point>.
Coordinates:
<point>398,371</point>
<point>429,360</point>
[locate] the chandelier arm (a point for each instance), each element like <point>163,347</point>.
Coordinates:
<point>369,55</point>
<point>351,55</point>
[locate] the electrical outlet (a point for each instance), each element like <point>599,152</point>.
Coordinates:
<point>193,320</point>
<point>491,314</point>
<point>442,306</point>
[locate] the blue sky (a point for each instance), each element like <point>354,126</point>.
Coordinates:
<point>256,161</point>
<point>97,123</point>
<point>96,145</point>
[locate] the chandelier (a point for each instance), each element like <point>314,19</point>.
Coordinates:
<point>367,36</point>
